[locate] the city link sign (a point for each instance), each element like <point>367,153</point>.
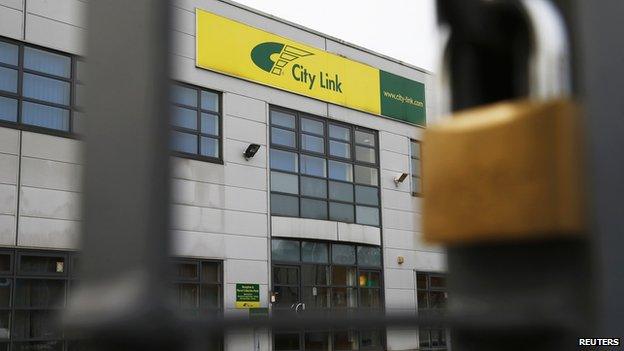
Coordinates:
<point>233,48</point>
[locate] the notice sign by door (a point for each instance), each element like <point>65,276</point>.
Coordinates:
<point>247,295</point>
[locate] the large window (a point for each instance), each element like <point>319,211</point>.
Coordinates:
<point>326,276</point>
<point>36,87</point>
<point>415,162</point>
<point>323,169</point>
<point>196,124</point>
<point>431,292</point>
<point>34,286</point>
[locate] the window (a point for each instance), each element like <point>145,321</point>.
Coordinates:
<point>34,286</point>
<point>326,276</point>
<point>431,294</point>
<point>415,162</point>
<point>196,123</point>
<point>37,88</point>
<point>323,169</point>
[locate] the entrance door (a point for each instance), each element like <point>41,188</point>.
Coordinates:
<point>287,291</point>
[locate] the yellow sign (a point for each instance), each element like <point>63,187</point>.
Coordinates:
<point>230,47</point>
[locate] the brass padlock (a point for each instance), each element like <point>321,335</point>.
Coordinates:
<point>509,170</point>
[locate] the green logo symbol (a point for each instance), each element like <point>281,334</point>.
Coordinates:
<point>261,56</point>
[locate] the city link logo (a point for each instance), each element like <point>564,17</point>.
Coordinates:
<point>273,58</point>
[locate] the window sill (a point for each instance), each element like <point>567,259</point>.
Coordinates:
<point>40,130</point>
<point>197,157</point>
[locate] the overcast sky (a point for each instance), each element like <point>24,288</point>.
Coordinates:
<point>403,29</point>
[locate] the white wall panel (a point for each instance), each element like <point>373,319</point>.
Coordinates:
<point>400,299</point>
<point>182,44</point>
<point>201,219</point>
<point>9,141</point>
<point>44,232</point>
<point>304,228</point>
<point>51,174</point>
<point>245,107</point>
<point>244,130</point>
<point>9,165</point>
<point>72,12</point>
<point>47,203</point>
<point>7,229</point>
<point>359,233</point>
<point>8,198</point>
<point>57,35</point>
<point>234,150</point>
<point>399,278</point>
<point>394,162</point>
<point>394,142</point>
<point>419,260</point>
<point>12,23</point>
<point>52,148</point>
<point>247,271</point>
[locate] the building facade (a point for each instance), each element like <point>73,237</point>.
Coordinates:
<point>315,219</point>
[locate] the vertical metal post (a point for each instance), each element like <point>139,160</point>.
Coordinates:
<point>602,75</point>
<point>121,298</point>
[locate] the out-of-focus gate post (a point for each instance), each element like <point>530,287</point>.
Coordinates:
<point>121,300</point>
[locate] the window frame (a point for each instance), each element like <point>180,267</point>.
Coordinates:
<point>20,98</point>
<point>327,157</point>
<point>197,132</point>
<point>199,280</point>
<point>412,175</point>
<point>427,290</point>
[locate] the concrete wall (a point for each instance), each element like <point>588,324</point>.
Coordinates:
<point>220,211</point>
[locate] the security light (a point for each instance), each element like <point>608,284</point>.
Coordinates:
<point>251,151</point>
<point>400,178</point>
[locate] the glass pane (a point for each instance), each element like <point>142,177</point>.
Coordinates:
<point>186,270</point>
<point>5,292</point>
<point>370,298</point>
<point>209,147</point>
<point>437,299</point>
<point>365,154</point>
<point>8,53</point>
<point>209,297</point>
<point>209,101</point>
<point>313,166</point>
<point>47,62</point>
<point>338,132</point>
<point>341,191</point>
<point>284,250</point>
<point>314,187</point>
<point>417,185</point>
<point>183,95</point>
<point>282,205</point>
<point>415,149</point>
<point>284,183</point>
<point>42,264</point>
<point>285,296</point>
<point>312,143</point>
<point>438,282</point>
<point>5,261</point>
<point>343,275</point>
<point>44,293</point>
<point>46,89</point>
<point>285,275</point>
<point>209,124</point>
<point>421,281</point>
<point>339,149</point>
<point>369,279</point>
<point>366,195</point>
<point>187,296</point>
<point>344,297</point>
<point>423,299</point>
<point>210,272</point>
<point>366,175</point>
<point>183,117</point>
<point>8,109</point>
<point>316,297</point>
<point>341,212</point>
<point>437,337</point>
<point>340,171</point>
<point>283,119</point>
<point>364,138</point>
<point>36,324</point>
<point>345,340</point>
<point>8,79</point>
<point>369,256</point>
<point>423,337</point>
<point>282,137</point>
<point>5,317</point>
<point>286,342</point>
<point>317,341</point>
<point>313,209</point>
<point>343,254</point>
<point>38,345</point>
<point>415,167</point>
<point>367,215</point>
<point>312,126</point>
<point>314,252</point>
<point>283,160</point>
<point>45,116</point>
<point>315,274</point>
<point>184,142</point>
<point>370,338</point>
